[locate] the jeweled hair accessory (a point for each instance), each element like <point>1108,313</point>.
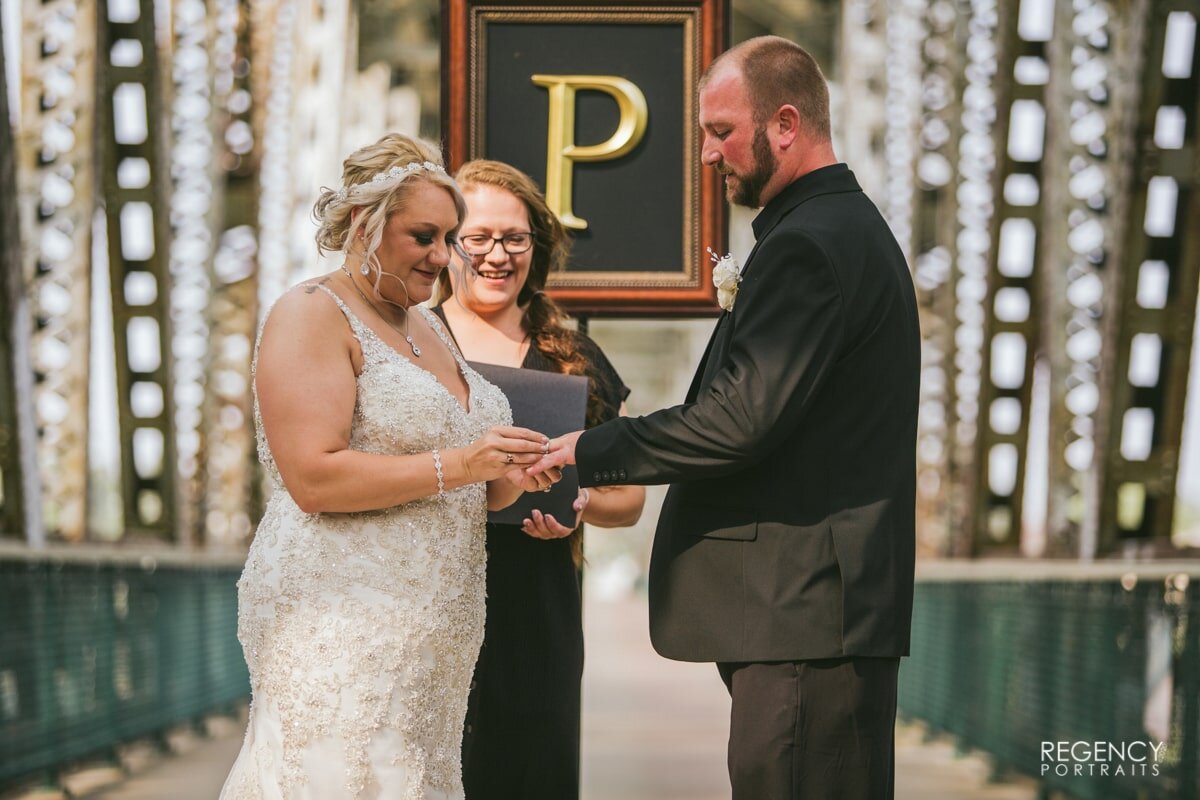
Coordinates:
<point>394,174</point>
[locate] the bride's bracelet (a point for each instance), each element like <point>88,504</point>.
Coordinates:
<point>441,479</point>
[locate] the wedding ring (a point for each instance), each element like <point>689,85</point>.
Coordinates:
<point>508,459</point>
<point>545,448</point>
<point>547,489</point>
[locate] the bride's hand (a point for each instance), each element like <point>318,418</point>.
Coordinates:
<point>541,482</point>
<point>502,451</point>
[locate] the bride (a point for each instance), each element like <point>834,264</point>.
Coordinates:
<point>361,604</point>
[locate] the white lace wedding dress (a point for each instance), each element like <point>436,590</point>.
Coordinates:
<point>361,630</point>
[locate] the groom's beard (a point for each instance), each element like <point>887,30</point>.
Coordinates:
<point>748,187</point>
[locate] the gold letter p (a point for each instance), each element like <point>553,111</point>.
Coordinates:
<point>561,150</point>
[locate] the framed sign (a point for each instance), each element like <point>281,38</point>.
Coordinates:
<point>597,102</point>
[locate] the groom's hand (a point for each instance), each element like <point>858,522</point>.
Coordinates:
<point>560,453</point>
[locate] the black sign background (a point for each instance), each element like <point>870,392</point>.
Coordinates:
<point>650,212</point>
<point>634,205</point>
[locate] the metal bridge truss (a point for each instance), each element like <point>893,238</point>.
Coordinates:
<point>1037,160</point>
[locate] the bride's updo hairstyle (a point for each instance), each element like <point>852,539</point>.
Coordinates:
<point>377,180</point>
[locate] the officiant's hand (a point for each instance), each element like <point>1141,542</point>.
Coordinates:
<point>545,526</point>
<point>560,453</point>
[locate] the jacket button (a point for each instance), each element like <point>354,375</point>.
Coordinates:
<point>621,475</point>
<point>607,476</point>
<point>595,476</point>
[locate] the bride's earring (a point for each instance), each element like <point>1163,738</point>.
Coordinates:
<point>365,268</point>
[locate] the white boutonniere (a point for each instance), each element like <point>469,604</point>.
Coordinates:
<point>727,274</point>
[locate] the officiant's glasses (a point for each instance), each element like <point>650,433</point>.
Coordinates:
<point>513,243</point>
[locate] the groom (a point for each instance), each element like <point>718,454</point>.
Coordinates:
<point>784,550</point>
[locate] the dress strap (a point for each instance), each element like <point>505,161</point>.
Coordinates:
<point>356,326</point>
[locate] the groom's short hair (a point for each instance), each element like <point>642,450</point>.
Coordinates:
<point>778,72</point>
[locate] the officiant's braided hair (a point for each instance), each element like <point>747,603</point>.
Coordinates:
<point>543,319</point>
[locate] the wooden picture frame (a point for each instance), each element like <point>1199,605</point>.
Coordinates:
<point>524,80</point>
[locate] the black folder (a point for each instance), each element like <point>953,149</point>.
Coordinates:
<point>550,403</point>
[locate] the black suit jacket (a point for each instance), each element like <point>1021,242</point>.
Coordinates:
<point>788,531</point>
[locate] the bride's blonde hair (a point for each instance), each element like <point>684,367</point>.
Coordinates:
<point>338,226</point>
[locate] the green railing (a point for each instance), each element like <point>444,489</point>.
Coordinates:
<point>102,647</point>
<point>1012,658</point>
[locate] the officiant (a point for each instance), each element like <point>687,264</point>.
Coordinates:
<point>521,738</point>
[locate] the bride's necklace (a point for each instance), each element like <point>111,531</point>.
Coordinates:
<point>416,351</point>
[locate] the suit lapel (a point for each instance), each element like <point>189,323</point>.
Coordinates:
<point>701,368</point>
<point>694,389</point>
<point>698,378</point>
